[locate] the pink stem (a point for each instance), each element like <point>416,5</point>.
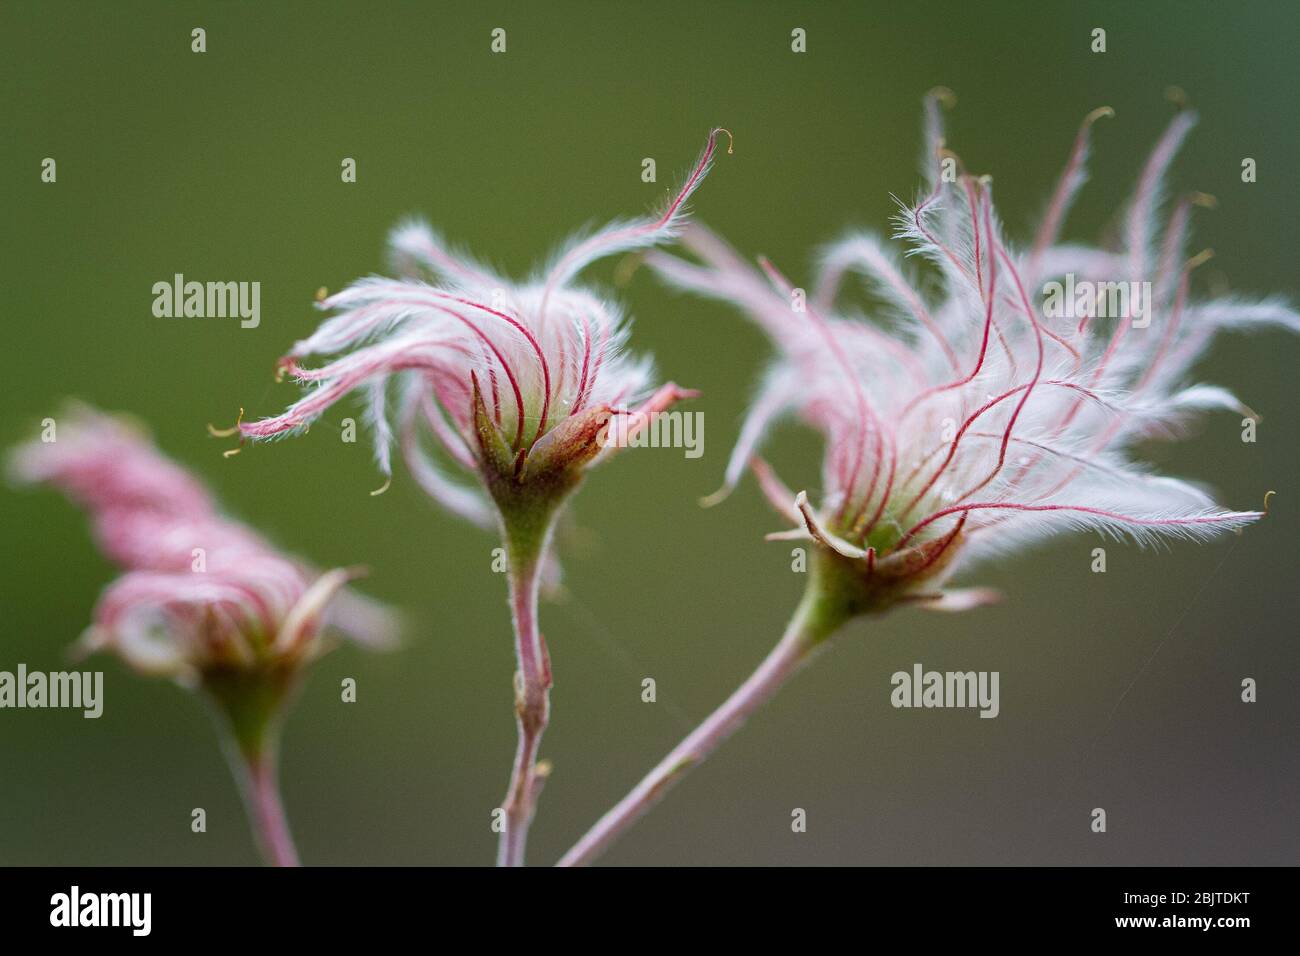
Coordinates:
<point>532,707</point>
<point>814,621</point>
<point>266,811</point>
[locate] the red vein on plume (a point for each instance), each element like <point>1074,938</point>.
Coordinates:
<point>1038,370</point>
<point>984,341</point>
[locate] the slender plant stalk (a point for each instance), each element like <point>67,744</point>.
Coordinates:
<point>250,707</point>
<point>532,696</point>
<point>261,788</point>
<point>818,616</point>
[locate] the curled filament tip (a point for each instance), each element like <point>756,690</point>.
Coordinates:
<point>216,432</point>
<point>717,498</point>
<point>946,97</point>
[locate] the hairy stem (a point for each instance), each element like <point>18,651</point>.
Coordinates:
<point>532,693</point>
<point>819,614</point>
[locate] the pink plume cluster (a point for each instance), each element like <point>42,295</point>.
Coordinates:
<point>501,377</point>
<point>973,420</point>
<point>199,589</point>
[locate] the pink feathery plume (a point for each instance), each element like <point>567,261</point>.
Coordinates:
<point>976,421</point>
<point>544,356</point>
<point>199,590</point>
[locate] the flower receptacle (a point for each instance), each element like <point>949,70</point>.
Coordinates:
<point>252,702</point>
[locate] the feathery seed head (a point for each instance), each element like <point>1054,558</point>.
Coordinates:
<point>1004,408</point>
<point>515,382</point>
<point>201,595</point>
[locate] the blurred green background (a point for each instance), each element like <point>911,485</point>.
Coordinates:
<point>1118,690</point>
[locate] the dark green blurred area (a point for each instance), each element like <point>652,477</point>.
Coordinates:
<point>1118,690</point>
